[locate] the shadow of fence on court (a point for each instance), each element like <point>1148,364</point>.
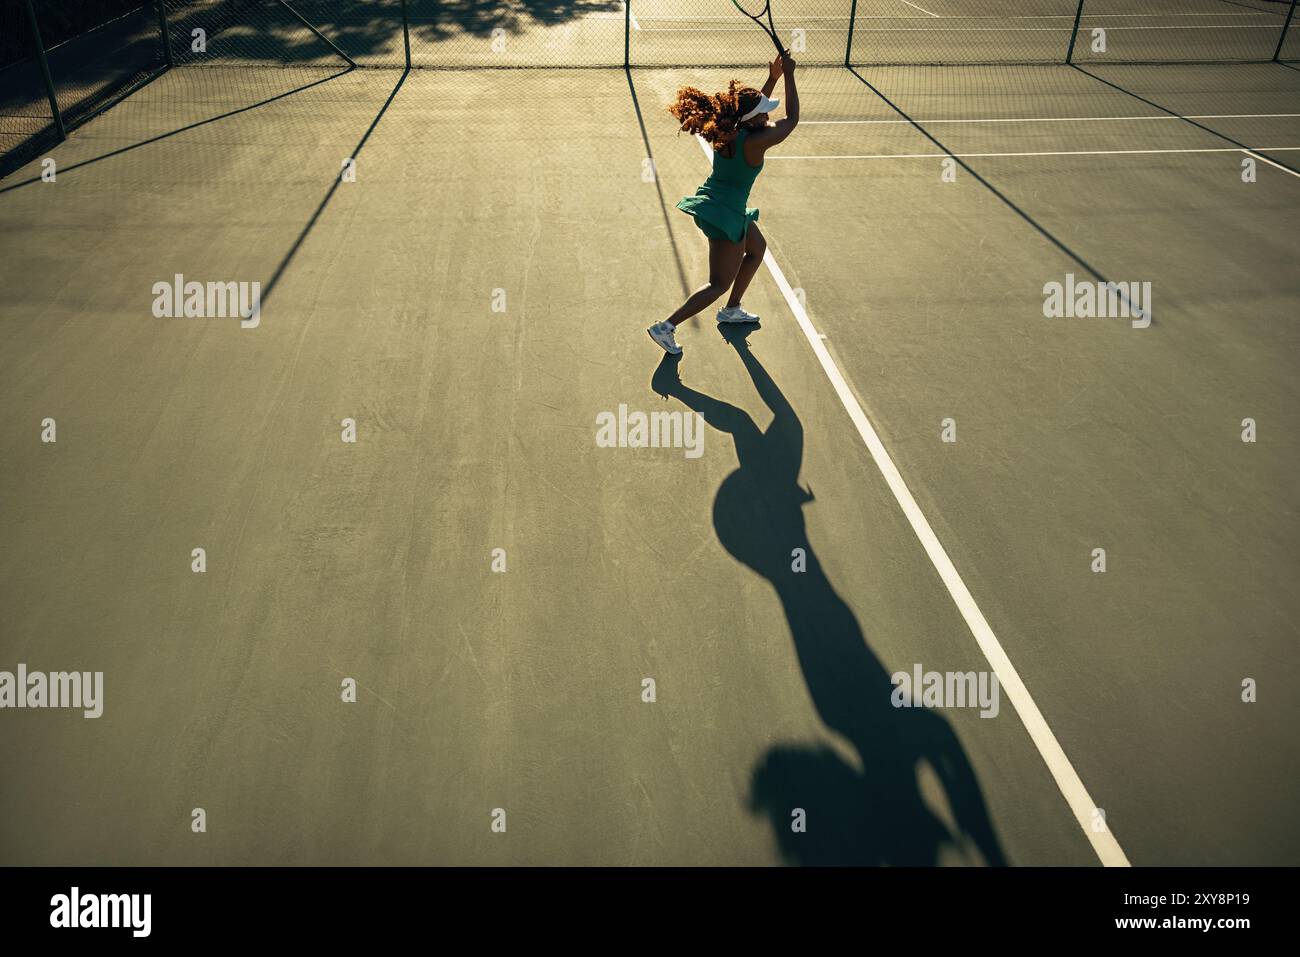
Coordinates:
<point>659,190</point>
<point>1191,121</point>
<point>1002,197</point>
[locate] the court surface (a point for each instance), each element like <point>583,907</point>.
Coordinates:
<point>477,298</point>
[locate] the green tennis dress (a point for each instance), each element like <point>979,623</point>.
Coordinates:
<point>719,205</point>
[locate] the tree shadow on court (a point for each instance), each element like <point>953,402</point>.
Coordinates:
<point>435,20</point>
<point>258,30</point>
<point>262,30</point>
<point>873,813</point>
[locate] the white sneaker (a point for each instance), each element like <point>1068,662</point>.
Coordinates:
<point>735,314</point>
<point>662,333</point>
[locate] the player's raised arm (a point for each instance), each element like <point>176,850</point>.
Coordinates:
<point>760,141</point>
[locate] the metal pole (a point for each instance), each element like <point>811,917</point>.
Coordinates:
<point>306,23</point>
<point>1286,26</point>
<point>848,47</point>
<point>45,69</point>
<point>627,34</point>
<point>166,33</point>
<point>406,35</point>
<point>1069,54</point>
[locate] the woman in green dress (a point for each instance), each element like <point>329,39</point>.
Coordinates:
<point>735,123</point>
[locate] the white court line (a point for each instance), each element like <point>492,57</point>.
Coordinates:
<point>922,9</point>
<point>1067,780</point>
<point>1055,119</point>
<point>895,156</point>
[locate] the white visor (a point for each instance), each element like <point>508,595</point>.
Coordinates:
<point>764,106</point>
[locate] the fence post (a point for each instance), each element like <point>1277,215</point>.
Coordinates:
<point>1282,39</point>
<point>1069,54</point>
<point>45,69</point>
<point>848,47</point>
<point>166,33</point>
<point>406,35</point>
<point>627,34</point>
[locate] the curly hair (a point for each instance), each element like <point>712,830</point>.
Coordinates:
<point>715,117</point>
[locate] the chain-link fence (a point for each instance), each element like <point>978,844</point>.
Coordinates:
<point>1180,31</point>
<point>62,61</point>
<point>26,115</point>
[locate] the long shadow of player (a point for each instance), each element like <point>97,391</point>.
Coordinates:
<point>875,813</point>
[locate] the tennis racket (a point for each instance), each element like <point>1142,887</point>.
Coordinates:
<point>755,12</point>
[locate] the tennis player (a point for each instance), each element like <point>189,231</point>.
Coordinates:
<point>735,123</point>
